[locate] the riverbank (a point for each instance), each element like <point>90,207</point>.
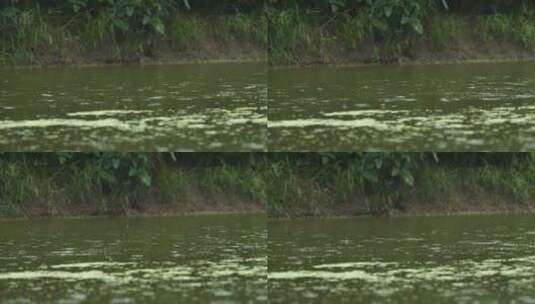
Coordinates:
<point>54,34</point>
<point>301,35</point>
<point>283,185</point>
<point>150,62</point>
<point>36,185</point>
<point>406,184</point>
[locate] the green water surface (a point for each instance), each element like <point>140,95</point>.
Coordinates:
<point>450,107</point>
<point>194,107</point>
<point>461,259</point>
<point>204,259</point>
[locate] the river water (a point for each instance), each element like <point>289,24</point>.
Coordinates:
<point>231,259</point>
<point>225,107</point>
<point>461,259</point>
<point>207,107</point>
<point>204,259</point>
<point>450,107</point>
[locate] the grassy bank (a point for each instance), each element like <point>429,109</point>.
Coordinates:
<point>81,32</point>
<point>285,184</point>
<point>74,184</point>
<point>399,31</point>
<point>284,32</point>
<point>330,185</point>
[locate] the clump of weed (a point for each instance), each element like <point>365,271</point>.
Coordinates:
<point>494,28</point>
<point>16,187</point>
<point>355,29</point>
<point>435,184</point>
<point>445,29</point>
<point>185,33</point>
<point>526,34</point>
<point>172,184</point>
<point>238,179</point>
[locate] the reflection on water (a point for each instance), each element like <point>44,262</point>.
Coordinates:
<point>210,107</point>
<point>463,107</point>
<point>171,260</point>
<point>414,260</point>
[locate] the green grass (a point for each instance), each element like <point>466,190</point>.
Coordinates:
<point>21,32</point>
<point>16,187</point>
<point>283,186</point>
<point>173,183</point>
<point>526,33</point>
<point>287,184</point>
<point>355,30</point>
<point>436,184</point>
<point>513,182</point>
<point>32,35</point>
<point>494,28</point>
<point>445,29</point>
<point>114,183</point>
<point>299,37</point>
<point>292,35</point>
<point>186,33</point>
<point>298,187</point>
<point>237,179</point>
<point>286,33</point>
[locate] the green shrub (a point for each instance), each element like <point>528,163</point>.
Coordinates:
<point>513,182</point>
<point>238,179</point>
<point>526,34</point>
<point>172,183</point>
<point>283,187</point>
<point>16,185</point>
<point>495,27</point>
<point>22,32</point>
<point>435,184</point>
<point>445,29</point>
<point>286,30</point>
<point>240,25</point>
<point>355,29</point>
<point>185,33</point>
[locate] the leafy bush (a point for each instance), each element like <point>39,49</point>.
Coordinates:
<point>15,187</point>
<point>185,33</point>
<point>22,32</point>
<point>444,29</point>
<point>31,29</point>
<point>526,34</point>
<point>355,30</point>
<point>495,27</point>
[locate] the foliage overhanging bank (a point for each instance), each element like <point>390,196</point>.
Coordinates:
<point>283,184</point>
<point>345,184</point>
<point>71,184</point>
<point>43,32</point>
<point>391,30</point>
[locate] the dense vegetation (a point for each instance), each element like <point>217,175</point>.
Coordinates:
<point>293,31</point>
<point>34,31</point>
<point>323,184</point>
<point>288,184</point>
<point>377,31</point>
<point>63,184</point>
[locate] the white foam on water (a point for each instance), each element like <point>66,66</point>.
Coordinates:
<point>64,275</point>
<point>91,265</point>
<point>366,112</point>
<point>108,112</point>
<point>300,123</point>
<point>325,275</point>
<point>356,265</point>
<point>460,271</point>
<point>58,122</point>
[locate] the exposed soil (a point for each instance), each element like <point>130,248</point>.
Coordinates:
<point>192,201</point>
<point>462,201</point>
